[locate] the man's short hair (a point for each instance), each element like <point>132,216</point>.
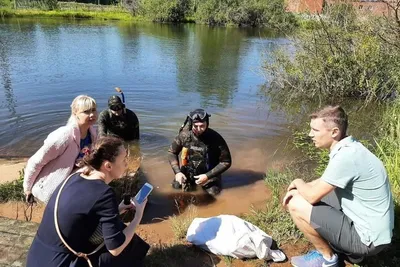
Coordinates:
<point>333,114</point>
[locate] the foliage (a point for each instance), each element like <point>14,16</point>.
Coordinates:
<point>320,157</point>
<point>12,190</point>
<point>388,145</point>
<point>337,59</point>
<point>37,4</point>
<point>388,150</point>
<point>131,5</point>
<point>273,219</point>
<point>252,12</point>
<point>5,3</point>
<point>81,14</point>
<point>165,10</point>
<point>180,223</point>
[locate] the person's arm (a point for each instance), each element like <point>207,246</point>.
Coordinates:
<point>340,171</point>
<point>54,145</point>
<point>115,238</point>
<point>173,152</point>
<point>312,192</point>
<point>102,123</point>
<point>312,183</point>
<point>129,231</point>
<point>225,160</point>
<point>135,126</point>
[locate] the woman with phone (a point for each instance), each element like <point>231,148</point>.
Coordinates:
<point>81,224</point>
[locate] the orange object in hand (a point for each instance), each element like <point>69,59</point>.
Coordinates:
<point>184,156</point>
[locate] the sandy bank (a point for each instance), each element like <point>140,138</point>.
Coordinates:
<point>9,168</point>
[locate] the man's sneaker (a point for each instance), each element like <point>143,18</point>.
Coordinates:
<point>314,259</point>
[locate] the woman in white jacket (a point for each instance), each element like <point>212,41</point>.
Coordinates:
<point>61,151</point>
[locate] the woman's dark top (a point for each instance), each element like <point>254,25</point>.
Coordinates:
<point>83,205</point>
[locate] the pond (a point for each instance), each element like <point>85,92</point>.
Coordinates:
<point>164,70</point>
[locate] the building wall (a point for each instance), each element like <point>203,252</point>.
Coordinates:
<point>299,6</point>
<point>315,6</point>
<point>376,8</point>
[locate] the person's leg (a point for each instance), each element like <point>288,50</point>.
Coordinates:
<point>300,211</point>
<point>213,187</point>
<point>339,231</point>
<point>133,255</point>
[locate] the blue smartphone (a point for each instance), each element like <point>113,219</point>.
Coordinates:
<point>144,192</point>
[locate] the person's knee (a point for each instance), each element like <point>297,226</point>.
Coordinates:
<point>213,190</point>
<point>298,207</point>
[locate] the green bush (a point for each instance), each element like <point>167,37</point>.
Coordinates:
<point>5,3</point>
<point>12,190</point>
<point>165,10</point>
<point>252,12</point>
<point>37,4</point>
<point>339,58</point>
<point>274,220</point>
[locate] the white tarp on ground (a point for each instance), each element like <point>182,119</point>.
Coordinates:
<point>231,236</point>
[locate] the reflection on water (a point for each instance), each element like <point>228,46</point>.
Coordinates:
<point>164,70</point>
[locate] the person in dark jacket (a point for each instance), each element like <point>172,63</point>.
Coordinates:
<point>119,121</point>
<point>88,228</point>
<point>205,155</point>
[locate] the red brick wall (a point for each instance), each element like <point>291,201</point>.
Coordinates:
<point>376,8</point>
<point>315,6</point>
<point>298,6</point>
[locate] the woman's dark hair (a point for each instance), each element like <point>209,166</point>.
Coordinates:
<point>105,148</point>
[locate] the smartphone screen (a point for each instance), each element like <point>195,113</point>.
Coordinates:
<point>144,192</point>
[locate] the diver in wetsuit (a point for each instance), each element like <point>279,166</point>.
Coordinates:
<point>205,155</point>
<point>119,121</point>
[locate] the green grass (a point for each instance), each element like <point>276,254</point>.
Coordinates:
<point>180,223</point>
<point>227,260</point>
<point>273,219</point>
<point>388,150</point>
<point>75,14</point>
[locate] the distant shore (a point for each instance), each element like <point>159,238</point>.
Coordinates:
<point>10,167</point>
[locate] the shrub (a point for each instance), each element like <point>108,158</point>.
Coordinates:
<point>338,59</point>
<point>165,10</point>
<point>252,12</point>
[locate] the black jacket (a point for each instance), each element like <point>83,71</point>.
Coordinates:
<point>125,126</point>
<point>218,154</point>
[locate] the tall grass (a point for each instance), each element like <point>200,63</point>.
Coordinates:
<point>388,146</point>
<point>388,149</point>
<point>341,57</point>
<point>180,223</point>
<point>81,14</point>
<point>273,219</point>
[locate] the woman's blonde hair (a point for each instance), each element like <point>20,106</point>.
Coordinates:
<point>79,104</point>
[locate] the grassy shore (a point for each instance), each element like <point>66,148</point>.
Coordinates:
<point>76,14</point>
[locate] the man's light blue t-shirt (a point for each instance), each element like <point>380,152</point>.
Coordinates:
<point>363,189</point>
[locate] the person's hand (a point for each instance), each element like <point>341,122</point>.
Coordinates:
<point>201,179</point>
<point>180,177</point>
<point>289,195</point>
<point>139,207</point>
<point>29,197</point>
<point>123,207</point>
<point>293,185</point>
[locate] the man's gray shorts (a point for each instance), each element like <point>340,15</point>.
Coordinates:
<point>334,226</point>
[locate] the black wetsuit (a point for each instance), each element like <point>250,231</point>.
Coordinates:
<point>125,126</point>
<point>209,152</point>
